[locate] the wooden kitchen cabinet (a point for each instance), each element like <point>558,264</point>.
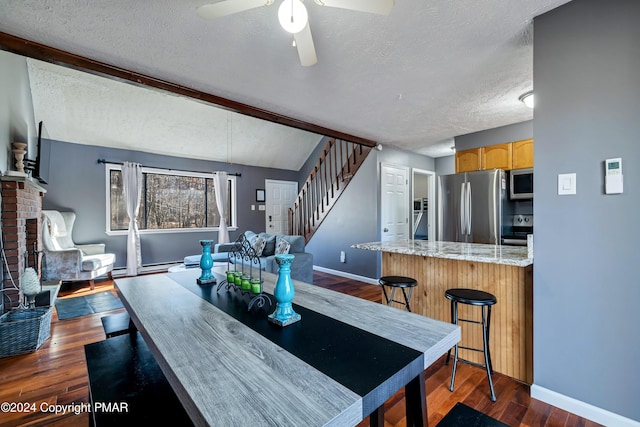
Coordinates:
<point>469,160</point>
<point>522,154</point>
<point>497,156</point>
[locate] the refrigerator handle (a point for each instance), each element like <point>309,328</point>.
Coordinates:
<point>463,209</point>
<point>469,208</point>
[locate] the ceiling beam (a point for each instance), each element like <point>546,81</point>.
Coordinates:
<point>52,55</point>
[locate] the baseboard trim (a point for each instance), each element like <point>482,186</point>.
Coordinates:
<point>582,409</point>
<point>345,274</point>
<point>145,269</point>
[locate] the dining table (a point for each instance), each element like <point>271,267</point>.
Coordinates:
<point>230,366</point>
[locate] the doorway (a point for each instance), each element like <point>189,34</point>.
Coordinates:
<point>279,197</point>
<point>394,202</point>
<point>423,191</point>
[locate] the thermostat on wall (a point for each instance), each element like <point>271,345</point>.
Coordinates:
<point>613,176</point>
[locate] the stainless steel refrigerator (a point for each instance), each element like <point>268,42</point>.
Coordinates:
<point>471,205</point>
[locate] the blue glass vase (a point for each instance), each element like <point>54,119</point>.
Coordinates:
<point>206,263</point>
<point>284,293</point>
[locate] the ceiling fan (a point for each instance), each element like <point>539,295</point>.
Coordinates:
<point>293,17</point>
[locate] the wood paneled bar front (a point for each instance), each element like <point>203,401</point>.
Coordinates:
<point>504,271</point>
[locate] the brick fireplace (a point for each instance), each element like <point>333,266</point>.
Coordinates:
<point>21,233</point>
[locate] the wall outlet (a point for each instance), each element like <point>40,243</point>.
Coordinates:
<point>343,256</point>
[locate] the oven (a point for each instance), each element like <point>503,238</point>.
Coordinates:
<point>521,226</point>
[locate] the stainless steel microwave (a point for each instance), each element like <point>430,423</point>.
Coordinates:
<point>521,184</point>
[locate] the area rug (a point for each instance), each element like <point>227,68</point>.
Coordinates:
<point>462,415</point>
<point>68,308</point>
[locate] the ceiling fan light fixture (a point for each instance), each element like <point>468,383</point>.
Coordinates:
<point>293,16</point>
<point>527,99</point>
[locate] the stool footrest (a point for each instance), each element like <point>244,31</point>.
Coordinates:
<point>470,321</point>
<point>469,362</point>
<point>479,350</point>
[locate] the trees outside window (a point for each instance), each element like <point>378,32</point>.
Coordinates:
<point>169,201</point>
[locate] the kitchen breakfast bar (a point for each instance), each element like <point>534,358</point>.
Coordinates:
<point>504,271</point>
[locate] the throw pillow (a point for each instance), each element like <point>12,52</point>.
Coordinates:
<point>282,247</point>
<point>270,246</point>
<point>258,245</point>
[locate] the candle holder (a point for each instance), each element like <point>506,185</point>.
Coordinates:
<point>284,292</point>
<point>244,280</point>
<point>206,263</point>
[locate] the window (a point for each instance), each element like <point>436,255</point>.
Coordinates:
<point>171,200</point>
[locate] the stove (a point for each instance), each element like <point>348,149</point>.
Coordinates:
<point>521,226</point>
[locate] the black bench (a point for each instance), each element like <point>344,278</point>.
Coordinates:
<point>127,387</point>
<point>117,324</point>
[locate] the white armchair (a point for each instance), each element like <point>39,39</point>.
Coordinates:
<point>66,261</point>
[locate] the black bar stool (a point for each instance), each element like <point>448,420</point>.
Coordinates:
<point>479,298</point>
<point>395,282</point>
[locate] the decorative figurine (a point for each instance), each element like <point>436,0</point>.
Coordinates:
<point>31,285</point>
<point>19,150</point>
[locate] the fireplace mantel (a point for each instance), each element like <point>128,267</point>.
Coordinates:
<point>25,180</point>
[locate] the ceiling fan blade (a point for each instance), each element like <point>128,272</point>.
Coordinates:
<point>306,49</point>
<point>381,7</point>
<point>229,7</point>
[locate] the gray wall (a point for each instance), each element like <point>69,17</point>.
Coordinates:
<point>355,217</point>
<point>17,123</point>
<point>445,165</point>
<point>500,135</point>
<point>586,286</point>
<point>77,182</point>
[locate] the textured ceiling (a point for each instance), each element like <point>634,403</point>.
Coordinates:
<point>415,79</point>
<point>83,108</point>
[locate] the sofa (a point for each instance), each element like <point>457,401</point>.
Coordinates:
<point>265,244</point>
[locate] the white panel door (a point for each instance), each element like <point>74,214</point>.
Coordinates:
<point>394,202</point>
<point>279,197</point>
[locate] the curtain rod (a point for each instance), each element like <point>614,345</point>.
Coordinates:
<point>167,169</point>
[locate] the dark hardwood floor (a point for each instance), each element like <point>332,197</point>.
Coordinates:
<point>56,374</point>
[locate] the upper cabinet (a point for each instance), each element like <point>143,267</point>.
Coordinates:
<point>507,156</point>
<point>497,156</point>
<point>469,160</point>
<point>523,154</point>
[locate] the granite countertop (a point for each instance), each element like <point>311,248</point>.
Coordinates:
<point>495,254</point>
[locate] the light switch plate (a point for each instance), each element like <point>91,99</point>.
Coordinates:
<point>566,184</point>
<point>261,207</point>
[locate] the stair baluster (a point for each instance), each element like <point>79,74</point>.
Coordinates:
<point>338,163</point>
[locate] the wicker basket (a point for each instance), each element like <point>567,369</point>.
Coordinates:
<point>24,331</point>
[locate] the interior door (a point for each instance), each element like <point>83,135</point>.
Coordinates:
<point>394,203</point>
<point>424,190</point>
<point>279,197</point>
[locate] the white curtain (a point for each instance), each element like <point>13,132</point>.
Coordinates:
<point>220,186</point>
<point>132,180</point>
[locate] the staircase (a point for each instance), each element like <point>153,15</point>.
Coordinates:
<point>338,163</point>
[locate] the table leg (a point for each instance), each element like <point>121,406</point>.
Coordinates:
<point>416,402</point>
<point>376,419</point>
